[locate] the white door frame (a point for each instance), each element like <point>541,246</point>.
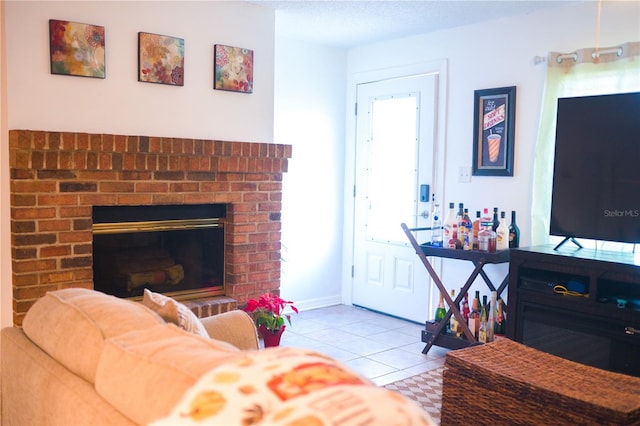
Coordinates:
<point>439,67</point>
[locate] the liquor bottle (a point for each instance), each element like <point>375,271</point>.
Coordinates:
<point>502,233</point>
<point>500,324</point>
<point>496,220</point>
<point>465,308</point>
<point>453,321</point>
<point>482,330</point>
<point>453,241</point>
<point>486,236</point>
<point>448,223</point>
<point>514,232</point>
<point>476,229</point>
<point>440,310</point>
<point>436,227</point>
<point>491,317</point>
<point>460,222</point>
<point>474,315</point>
<point>467,226</point>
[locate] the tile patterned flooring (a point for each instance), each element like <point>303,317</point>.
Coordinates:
<point>382,348</point>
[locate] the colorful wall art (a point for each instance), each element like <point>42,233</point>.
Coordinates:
<point>233,69</point>
<point>76,49</point>
<point>160,59</point>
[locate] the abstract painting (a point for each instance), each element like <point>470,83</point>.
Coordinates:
<point>233,69</point>
<point>160,59</point>
<point>76,49</point>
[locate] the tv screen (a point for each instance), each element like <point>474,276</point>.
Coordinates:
<point>596,175</point>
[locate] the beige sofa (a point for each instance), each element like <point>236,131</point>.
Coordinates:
<point>85,358</point>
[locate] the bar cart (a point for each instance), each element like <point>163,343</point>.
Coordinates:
<point>433,332</point>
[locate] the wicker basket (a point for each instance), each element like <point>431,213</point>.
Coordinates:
<point>507,383</point>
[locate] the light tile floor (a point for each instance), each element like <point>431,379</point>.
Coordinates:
<point>380,347</point>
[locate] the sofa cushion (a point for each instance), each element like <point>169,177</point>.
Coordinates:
<point>174,312</point>
<point>72,324</point>
<point>144,373</point>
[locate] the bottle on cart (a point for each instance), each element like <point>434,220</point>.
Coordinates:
<point>514,232</point>
<point>453,321</point>
<point>496,219</point>
<point>467,225</point>
<point>486,236</point>
<point>465,308</point>
<point>482,330</point>
<point>448,223</point>
<point>500,325</point>
<point>476,229</point>
<point>474,315</point>
<point>454,243</point>
<point>440,310</point>
<point>460,222</point>
<point>502,233</point>
<point>436,227</point>
<point>491,317</point>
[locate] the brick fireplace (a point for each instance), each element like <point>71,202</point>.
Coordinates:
<point>58,177</point>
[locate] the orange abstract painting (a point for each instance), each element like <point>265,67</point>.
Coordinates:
<point>76,49</point>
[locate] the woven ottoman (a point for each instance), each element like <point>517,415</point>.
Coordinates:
<point>507,383</point>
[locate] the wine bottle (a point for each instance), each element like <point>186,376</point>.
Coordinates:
<point>448,223</point>
<point>474,315</point>
<point>440,310</point>
<point>491,317</point>
<point>496,220</point>
<point>500,324</point>
<point>514,232</point>
<point>482,330</point>
<point>436,227</point>
<point>465,308</point>
<point>502,233</point>
<point>453,321</point>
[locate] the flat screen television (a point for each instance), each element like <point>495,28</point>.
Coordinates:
<point>596,171</point>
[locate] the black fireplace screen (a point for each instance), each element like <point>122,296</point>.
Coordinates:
<point>167,249</point>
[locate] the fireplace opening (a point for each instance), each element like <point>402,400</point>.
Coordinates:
<point>176,250</point>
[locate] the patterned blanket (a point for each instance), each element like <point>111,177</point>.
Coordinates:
<point>290,386</point>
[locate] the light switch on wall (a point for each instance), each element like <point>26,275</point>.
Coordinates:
<point>464,174</point>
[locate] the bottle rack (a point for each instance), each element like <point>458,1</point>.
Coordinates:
<point>433,332</point>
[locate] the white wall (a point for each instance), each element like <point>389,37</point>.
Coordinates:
<point>119,104</point>
<point>489,55</point>
<point>309,104</point>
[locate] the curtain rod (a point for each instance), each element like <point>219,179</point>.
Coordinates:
<point>574,55</point>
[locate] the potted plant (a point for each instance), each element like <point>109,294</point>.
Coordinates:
<point>267,313</point>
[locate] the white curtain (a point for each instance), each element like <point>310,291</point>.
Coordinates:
<point>581,73</point>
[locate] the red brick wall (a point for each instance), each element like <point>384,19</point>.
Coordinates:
<point>56,178</point>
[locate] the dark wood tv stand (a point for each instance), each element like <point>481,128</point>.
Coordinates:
<point>598,324</point>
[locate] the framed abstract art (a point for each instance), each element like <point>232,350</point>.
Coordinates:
<point>160,59</point>
<point>76,49</point>
<point>233,69</point>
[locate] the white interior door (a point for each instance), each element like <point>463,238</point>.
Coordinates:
<point>395,158</point>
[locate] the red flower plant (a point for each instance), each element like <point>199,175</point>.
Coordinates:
<point>268,311</point>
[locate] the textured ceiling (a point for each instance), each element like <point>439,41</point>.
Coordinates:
<point>351,23</point>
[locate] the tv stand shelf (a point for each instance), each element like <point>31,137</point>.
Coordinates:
<point>593,318</point>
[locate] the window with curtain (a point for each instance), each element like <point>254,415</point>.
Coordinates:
<point>588,71</point>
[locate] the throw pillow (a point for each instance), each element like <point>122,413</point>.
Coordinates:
<point>174,312</point>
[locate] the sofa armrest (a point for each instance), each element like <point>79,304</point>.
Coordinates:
<point>235,327</point>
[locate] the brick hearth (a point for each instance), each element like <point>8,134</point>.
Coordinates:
<point>57,177</point>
